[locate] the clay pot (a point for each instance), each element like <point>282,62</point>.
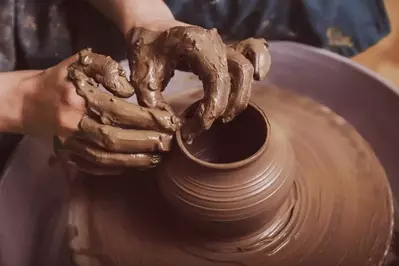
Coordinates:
<point>234,179</point>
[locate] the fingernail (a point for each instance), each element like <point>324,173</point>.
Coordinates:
<point>86,60</point>
<point>156,159</point>
<point>164,143</point>
<point>105,120</point>
<point>122,73</point>
<point>227,119</point>
<point>92,82</point>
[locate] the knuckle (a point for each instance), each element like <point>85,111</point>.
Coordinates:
<point>92,154</point>
<point>68,124</point>
<point>106,139</point>
<point>220,110</point>
<point>241,71</point>
<point>99,158</point>
<point>246,67</point>
<point>109,142</point>
<point>238,63</point>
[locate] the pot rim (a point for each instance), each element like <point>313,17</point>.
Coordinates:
<point>233,165</point>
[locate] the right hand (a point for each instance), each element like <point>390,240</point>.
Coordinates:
<point>227,73</point>
<point>98,132</point>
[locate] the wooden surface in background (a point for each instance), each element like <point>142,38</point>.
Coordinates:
<point>383,58</point>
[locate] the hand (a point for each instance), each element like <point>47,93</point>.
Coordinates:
<point>226,72</point>
<point>99,132</point>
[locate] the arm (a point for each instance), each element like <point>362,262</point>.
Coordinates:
<point>11,99</point>
<point>64,103</point>
<point>127,14</point>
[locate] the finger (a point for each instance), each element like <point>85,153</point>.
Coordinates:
<point>113,110</point>
<point>104,158</point>
<point>152,99</point>
<point>241,72</point>
<point>80,163</point>
<point>149,72</point>
<point>257,52</point>
<point>104,70</point>
<point>205,53</point>
<point>91,168</point>
<point>124,140</point>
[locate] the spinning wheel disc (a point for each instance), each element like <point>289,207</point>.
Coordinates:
<point>343,214</point>
<point>33,196</point>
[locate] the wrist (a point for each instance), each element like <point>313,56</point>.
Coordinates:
<point>13,99</point>
<point>152,15</point>
<point>159,25</point>
<point>150,29</point>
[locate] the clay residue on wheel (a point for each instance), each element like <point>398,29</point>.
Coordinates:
<point>340,212</point>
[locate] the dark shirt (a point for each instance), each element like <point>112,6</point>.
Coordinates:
<point>40,33</point>
<point>346,27</point>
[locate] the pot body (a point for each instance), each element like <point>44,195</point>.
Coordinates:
<point>236,198</point>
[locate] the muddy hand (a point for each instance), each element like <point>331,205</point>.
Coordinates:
<point>247,60</point>
<point>114,134</point>
<point>154,56</point>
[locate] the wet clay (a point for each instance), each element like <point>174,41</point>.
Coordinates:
<point>111,109</point>
<point>232,172</point>
<point>334,207</point>
<point>226,72</point>
<point>114,134</point>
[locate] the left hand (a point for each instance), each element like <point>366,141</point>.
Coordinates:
<point>98,132</point>
<point>227,73</point>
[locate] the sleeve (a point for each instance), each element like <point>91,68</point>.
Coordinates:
<point>7,40</point>
<point>346,27</point>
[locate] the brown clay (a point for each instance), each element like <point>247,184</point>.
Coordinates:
<point>105,71</point>
<point>223,180</point>
<point>312,194</point>
<point>153,57</point>
<point>111,109</point>
<point>253,49</point>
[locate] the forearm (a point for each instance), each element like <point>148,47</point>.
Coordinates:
<point>11,100</point>
<point>126,14</point>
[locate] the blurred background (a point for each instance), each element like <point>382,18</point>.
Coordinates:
<point>384,57</point>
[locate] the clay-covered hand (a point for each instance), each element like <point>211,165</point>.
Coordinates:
<point>113,134</point>
<point>226,72</point>
<point>247,60</point>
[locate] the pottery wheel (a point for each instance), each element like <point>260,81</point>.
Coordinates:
<point>343,214</point>
<point>33,196</point>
